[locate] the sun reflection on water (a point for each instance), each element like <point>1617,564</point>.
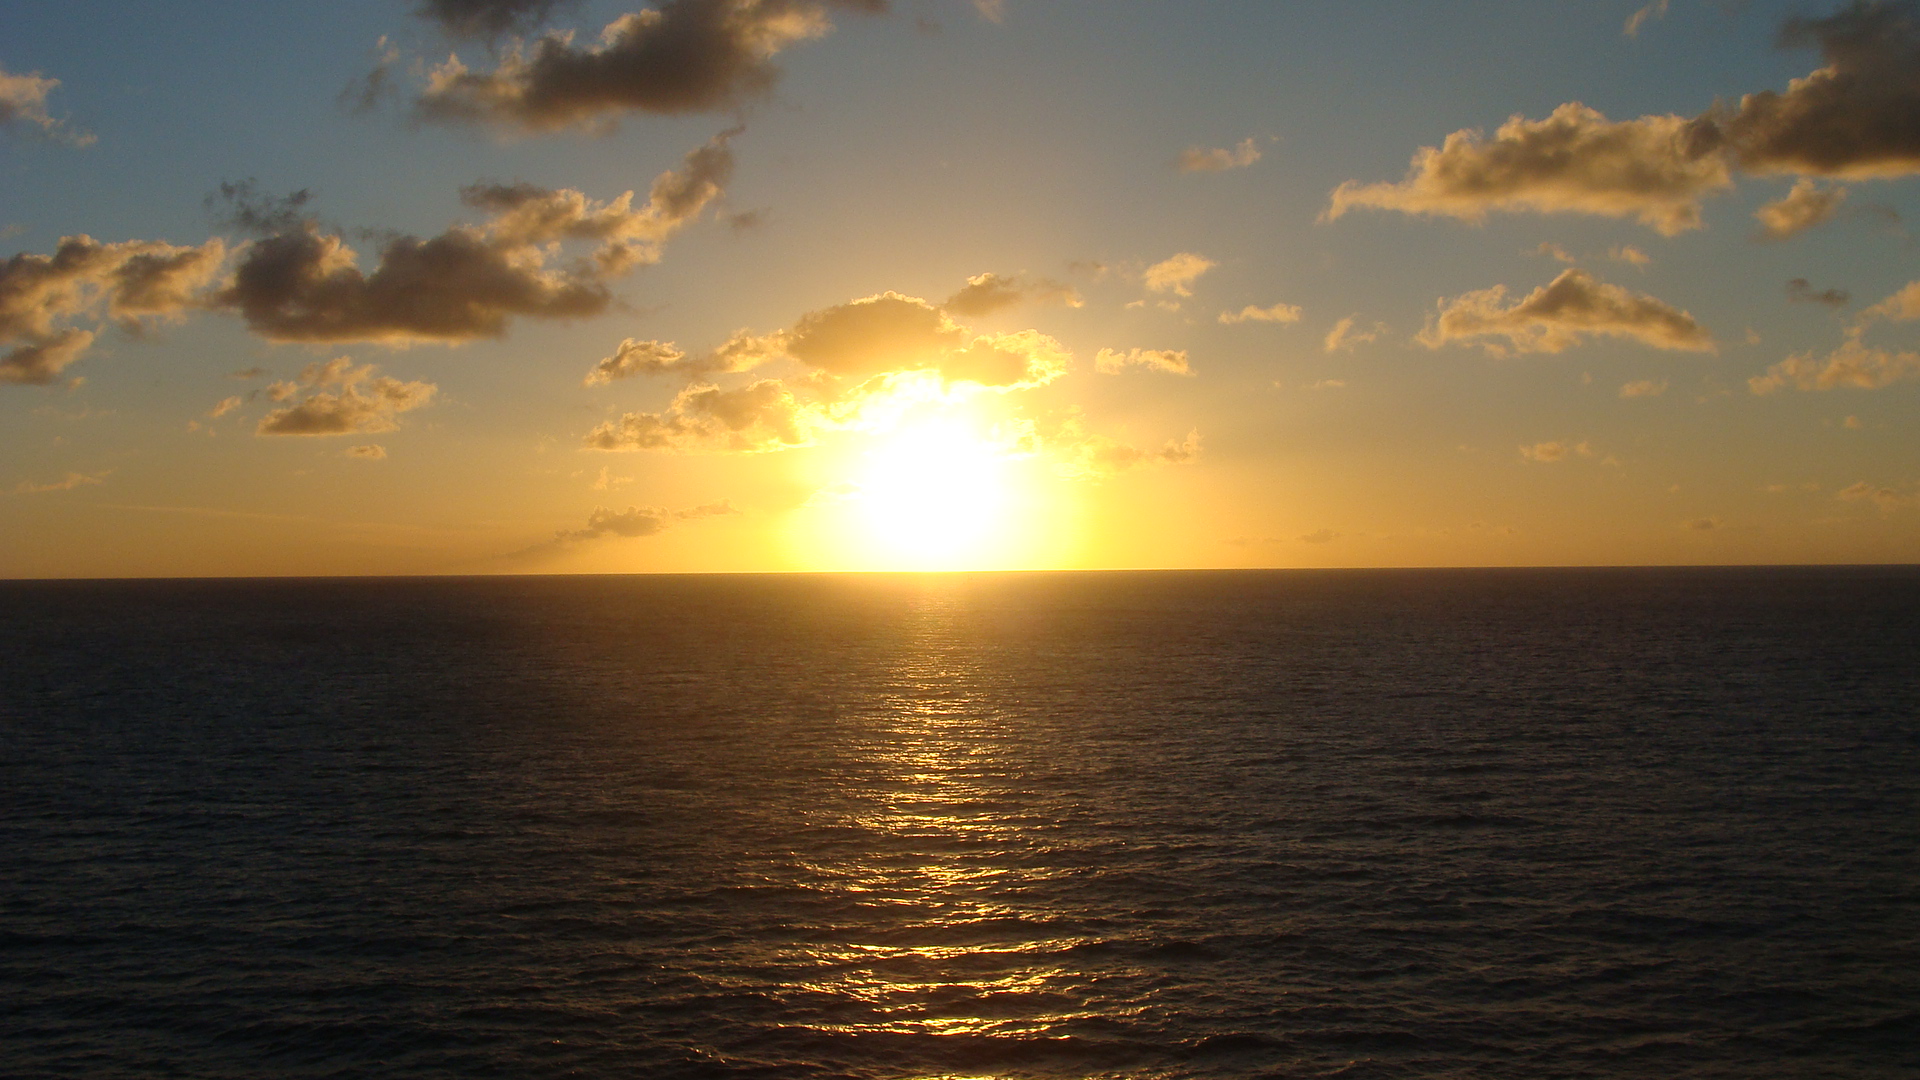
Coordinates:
<point>957,943</point>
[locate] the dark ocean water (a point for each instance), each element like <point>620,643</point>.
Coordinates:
<point>1625,823</point>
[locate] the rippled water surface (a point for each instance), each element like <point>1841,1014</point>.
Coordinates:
<point>1394,824</point>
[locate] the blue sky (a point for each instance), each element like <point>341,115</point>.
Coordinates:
<point>908,150</point>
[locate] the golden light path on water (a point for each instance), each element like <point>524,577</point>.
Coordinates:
<point>968,946</point>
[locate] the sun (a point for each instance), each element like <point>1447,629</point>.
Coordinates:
<point>933,494</point>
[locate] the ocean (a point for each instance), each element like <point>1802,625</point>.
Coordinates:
<point>1449,823</point>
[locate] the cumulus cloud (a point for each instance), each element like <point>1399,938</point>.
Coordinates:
<point>1655,169</point>
<point>1216,159</point>
<point>1278,313</point>
<point>303,284</point>
<point>1902,306</point>
<point>762,416</point>
<point>1854,117</point>
<point>1178,273</point>
<point>682,56</point>
<point>1853,364</point>
<point>1172,361</point>
<point>1800,291</point>
<point>1344,338</point>
<point>985,294</point>
<point>23,107</point>
<point>1560,314</point>
<point>85,279</point>
<point>636,358</point>
<point>346,400</point>
<point>1800,209</point>
<point>40,362</point>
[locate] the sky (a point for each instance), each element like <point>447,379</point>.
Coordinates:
<point>537,286</point>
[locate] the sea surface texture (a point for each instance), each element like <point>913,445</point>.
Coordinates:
<point>1486,824</point>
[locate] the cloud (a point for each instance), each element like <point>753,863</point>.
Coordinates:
<point>994,11</point>
<point>226,405</point>
<point>240,205</point>
<point>470,281</point>
<point>1644,388</point>
<point>362,403</point>
<point>1655,169</point>
<point>1853,364</point>
<point>368,452</point>
<point>1629,254</point>
<point>23,106</point>
<point>1854,117</point>
<point>636,358</point>
<point>1558,450</point>
<point>39,363</point>
<point>86,279</point>
<point>1654,11</point>
<point>1705,524</point>
<point>488,20</point>
<point>1091,456</point>
<point>1558,315</point>
<point>683,56</point>
<point>1172,361</point>
<point>1343,337</point>
<point>1555,252</point>
<point>67,483</point>
<point>1278,313</point>
<point>985,294</point>
<point>1201,159</point>
<point>1178,273</point>
<point>636,521</point>
<point>1902,306</point>
<point>1799,291</point>
<point>1887,499</point>
<point>1318,536</point>
<point>762,416</point>
<point>1800,209</point>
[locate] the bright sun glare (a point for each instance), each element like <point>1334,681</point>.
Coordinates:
<point>932,495</point>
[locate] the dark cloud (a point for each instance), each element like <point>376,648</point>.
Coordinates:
<point>1800,291</point>
<point>40,362</point>
<point>490,20</point>
<point>682,56</point>
<point>85,279</point>
<point>470,281</point>
<point>1558,315</point>
<point>241,206</point>
<point>1857,116</point>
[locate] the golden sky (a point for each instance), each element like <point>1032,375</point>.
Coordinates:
<point>523,286</point>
